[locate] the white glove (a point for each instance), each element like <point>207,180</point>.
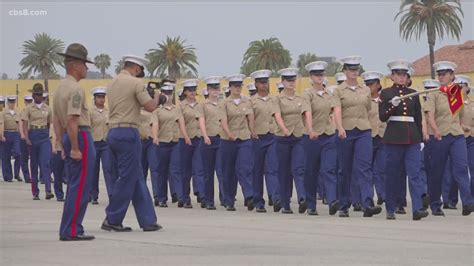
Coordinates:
<point>396,101</point>
<point>422,146</point>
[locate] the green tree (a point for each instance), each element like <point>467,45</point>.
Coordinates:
<point>119,66</point>
<point>265,54</point>
<point>303,60</point>
<point>173,57</point>
<point>436,18</point>
<point>41,56</point>
<point>102,62</point>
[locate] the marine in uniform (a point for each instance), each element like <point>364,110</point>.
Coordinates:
<point>236,144</point>
<point>167,122</point>
<point>264,155</point>
<point>12,123</point>
<point>126,94</point>
<point>354,146</point>
<point>37,119</point>
<point>191,164</point>
<point>372,80</point>
<point>340,78</point>
<point>72,124</point>
<point>468,121</point>
<point>402,139</point>
<point>99,115</point>
<point>24,151</point>
<point>211,132</point>
<point>319,142</point>
<point>289,110</point>
<point>449,141</point>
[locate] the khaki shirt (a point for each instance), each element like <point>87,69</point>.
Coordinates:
<point>378,127</point>
<point>99,127</point>
<point>38,116</point>
<point>468,118</point>
<point>321,105</point>
<point>126,95</point>
<point>69,99</point>
<point>236,115</point>
<point>213,117</point>
<point>145,124</point>
<point>263,112</point>
<point>437,103</point>
<point>191,114</point>
<point>291,110</point>
<point>355,106</point>
<point>10,121</point>
<point>167,118</point>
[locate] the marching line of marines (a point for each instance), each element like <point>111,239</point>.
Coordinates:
<point>335,143</point>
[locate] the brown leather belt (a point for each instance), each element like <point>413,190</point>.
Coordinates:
<point>123,125</point>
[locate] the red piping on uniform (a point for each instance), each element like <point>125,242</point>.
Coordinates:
<point>31,173</point>
<point>77,205</point>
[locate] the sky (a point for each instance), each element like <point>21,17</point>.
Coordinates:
<point>220,31</point>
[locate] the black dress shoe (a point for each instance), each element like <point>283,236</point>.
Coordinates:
<point>180,204</point>
<point>379,200</point>
<point>371,211</point>
<point>449,206</point>
<point>174,198</point>
<point>250,204</point>
<point>78,238</point>
<point>467,210</point>
<point>325,201</point>
<point>95,202</point>
<point>60,199</point>
<point>270,202</point>
<point>198,199</point>
<point>312,212</point>
<point>49,195</point>
<point>418,215</point>
<point>115,228</point>
<point>163,205</point>
<point>400,210</point>
<point>343,213</point>
<point>36,197</point>
<point>333,207</point>
<point>18,179</point>
<point>287,211</point>
<point>276,206</point>
<point>203,204</point>
<point>156,202</point>
<point>260,210</point>
<point>210,207</point>
<point>152,227</point>
<point>303,206</point>
<point>188,205</point>
<point>27,181</point>
<point>425,199</point>
<point>230,208</point>
<point>357,207</point>
<point>9,181</point>
<point>437,212</point>
<point>391,216</point>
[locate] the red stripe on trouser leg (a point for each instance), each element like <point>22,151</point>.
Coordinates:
<point>77,205</point>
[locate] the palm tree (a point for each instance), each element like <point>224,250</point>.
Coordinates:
<point>439,18</point>
<point>119,66</point>
<point>41,56</point>
<point>173,57</point>
<point>151,66</point>
<point>265,54</point>
<point>303,60</point>
<point>102,62</point>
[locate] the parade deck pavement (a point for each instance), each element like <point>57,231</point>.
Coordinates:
<point>29,236</point>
